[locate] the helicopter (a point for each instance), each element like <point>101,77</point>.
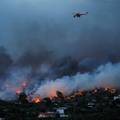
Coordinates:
<point>78,14</point>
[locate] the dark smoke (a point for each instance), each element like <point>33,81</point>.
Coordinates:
<point>5,61</point>
<point>30,59</point>
<point>35,26</point>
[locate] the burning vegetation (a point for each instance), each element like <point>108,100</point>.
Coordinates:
<point>61,90</point>
<point>36,99</point>
<point>100,103</point>
<point>49,72</point>
<point>60,96</point>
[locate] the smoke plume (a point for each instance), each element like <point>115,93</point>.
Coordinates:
<point>104,76</point>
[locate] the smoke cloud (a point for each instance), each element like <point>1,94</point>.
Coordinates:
<point>45,81</point>
<point>49,50</point>
<point>104,76</point>
<point>35,27</point>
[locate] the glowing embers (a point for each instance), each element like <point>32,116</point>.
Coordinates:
<point>111,90</point>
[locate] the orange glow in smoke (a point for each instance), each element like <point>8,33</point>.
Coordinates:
<point>52,93</point>
<point>79,93</point>
<point>18,90</point>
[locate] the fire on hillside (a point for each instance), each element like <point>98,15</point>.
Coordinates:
<point>78,105</point>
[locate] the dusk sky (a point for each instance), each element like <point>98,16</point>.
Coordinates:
<point>38,25</point>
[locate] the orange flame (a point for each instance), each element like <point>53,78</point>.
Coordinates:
<point>36,99</point>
